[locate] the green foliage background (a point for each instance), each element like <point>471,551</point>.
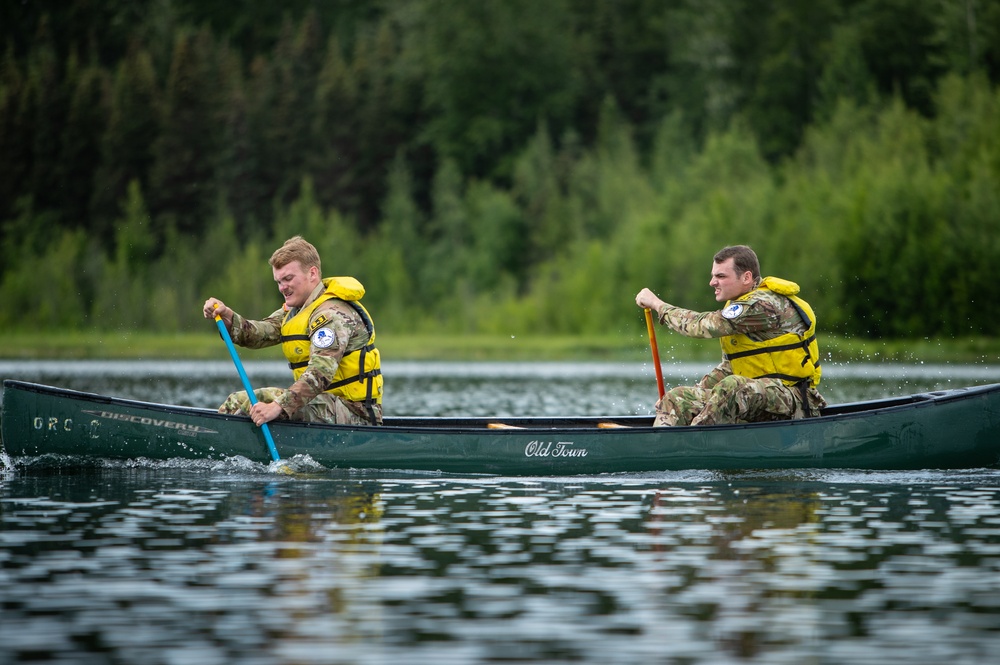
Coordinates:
<point>499,167</point>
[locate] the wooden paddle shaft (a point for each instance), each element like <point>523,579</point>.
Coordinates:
<point>656,352</point>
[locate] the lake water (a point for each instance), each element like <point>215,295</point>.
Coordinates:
<point>210,563</point>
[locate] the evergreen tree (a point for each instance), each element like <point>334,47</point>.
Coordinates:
<point>334,166</point>
<point>495,69</point>
<point>185,153</point>
<point>15,133</point>
<point>444,275</point>
<point>285,131</point>
<point>241,192</point>
<point>126,145</point>
<point>897,38</point>
<point>387,121</point>
<point>80,149</point>
<point>845,74</point>
<point>46,108</point>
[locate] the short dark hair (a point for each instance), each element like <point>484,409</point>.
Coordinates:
<point>743,258</point>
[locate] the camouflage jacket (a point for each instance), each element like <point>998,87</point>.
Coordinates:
<point>347,326</point>
<point>766,315</point>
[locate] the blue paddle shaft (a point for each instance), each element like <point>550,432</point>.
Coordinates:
<point>246,384</point>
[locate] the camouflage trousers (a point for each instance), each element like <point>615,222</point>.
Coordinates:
<point>734,399</point>
<point>324,408</point>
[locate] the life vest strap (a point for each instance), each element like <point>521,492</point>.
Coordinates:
<point>803,344</point>
<point>355,379</point>
<point>783,377</point>
<point>804,392</point>
<point>366,376</point>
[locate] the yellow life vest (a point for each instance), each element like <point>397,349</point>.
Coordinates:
<point>791,357</point>
<point>351,381</point>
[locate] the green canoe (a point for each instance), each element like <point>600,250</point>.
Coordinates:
<point>943,429</point>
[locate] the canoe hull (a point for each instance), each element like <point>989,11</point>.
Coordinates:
<point>948,429</point>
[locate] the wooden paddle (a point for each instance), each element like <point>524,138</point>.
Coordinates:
<point>656,352</point>
<point>246,383</point>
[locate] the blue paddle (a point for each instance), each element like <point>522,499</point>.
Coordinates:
<point>246,383</point>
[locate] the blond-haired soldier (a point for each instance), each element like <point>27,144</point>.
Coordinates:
<point>327,336</point>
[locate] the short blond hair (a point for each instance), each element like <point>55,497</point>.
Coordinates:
<point>296,249</point>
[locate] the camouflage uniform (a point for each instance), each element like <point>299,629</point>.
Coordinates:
<point>723,397</point>
<point>306,399</point>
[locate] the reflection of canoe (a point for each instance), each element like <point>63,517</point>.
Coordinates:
<point>944,429</point>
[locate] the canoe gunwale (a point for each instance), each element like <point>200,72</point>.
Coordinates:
<point>521,424</point>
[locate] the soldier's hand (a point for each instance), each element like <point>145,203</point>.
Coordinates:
<point>265,412</point>
<point>214,307</point>
<point>648,300</point>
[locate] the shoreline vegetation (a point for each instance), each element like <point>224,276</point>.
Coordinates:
<point>626,348</point>
<point>496,168</point>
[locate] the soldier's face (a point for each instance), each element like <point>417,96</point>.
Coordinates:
<point>727,284</point>
<point>295,283</point>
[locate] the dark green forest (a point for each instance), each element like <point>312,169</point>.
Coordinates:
<point>499,166</point>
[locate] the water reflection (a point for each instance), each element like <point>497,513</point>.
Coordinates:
<point>165,566</point>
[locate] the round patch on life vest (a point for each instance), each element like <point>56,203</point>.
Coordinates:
<point>733,310</point>
<point>323,338</point>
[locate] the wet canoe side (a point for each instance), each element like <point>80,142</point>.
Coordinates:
<point>947,429</point>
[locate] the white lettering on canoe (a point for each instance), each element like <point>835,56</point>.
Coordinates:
<point>53,424</point>
<point>181,428</point>
<point>553,449</point>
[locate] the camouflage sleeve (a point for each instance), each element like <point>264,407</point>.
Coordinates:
<point>340,330</point>
<point>257,334</point>
<point>754,316</point>
<point>705,325</point>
